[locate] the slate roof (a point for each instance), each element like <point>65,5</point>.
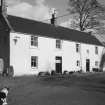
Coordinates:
<point>33,27</point>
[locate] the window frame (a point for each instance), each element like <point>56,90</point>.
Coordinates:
<point>77,47</point>
<point>34,41</point>
<point>87,51</point>
<point>58,44</point>
<point>78,63</point>
<point>96,50</point>
<point>97,63</point>
<point>34,62</point>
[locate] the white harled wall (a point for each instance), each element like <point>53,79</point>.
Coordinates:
<point>21,52</point>
<point>90,55</point>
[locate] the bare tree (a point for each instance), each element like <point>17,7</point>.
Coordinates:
<point>86,13</point>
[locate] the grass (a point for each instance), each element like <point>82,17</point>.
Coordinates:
<point>80,89</point>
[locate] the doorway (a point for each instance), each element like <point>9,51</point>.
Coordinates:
<point>58,64</point>
<point>87,65</point>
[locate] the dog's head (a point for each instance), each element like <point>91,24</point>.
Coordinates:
<point>5,90</point>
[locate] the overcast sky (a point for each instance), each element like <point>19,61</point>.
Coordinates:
<point>38,9</point>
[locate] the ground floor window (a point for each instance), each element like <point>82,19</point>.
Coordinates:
<point>96,63</point>
<point>34,61</point>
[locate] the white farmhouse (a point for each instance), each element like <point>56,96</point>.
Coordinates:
<point>32,47</point>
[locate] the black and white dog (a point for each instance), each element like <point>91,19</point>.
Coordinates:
<point>3,96</point>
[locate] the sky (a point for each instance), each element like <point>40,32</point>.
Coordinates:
<point>39,9</point>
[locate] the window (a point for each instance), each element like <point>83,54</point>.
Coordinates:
<point>78,63</point>
<point>87,51</point>
<point>34,41</point>
<point>96,50</point>
<point>34,61</point>
<point>58,44</point>
<point>77,47</point>
<point>96,63</point>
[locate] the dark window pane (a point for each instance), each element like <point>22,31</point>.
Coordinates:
<point>34,41</point>
<point>34,61</point>
<point>58,44</point>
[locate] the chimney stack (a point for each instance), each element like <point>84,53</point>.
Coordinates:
<point>53,16</point>
<point>3,7</point>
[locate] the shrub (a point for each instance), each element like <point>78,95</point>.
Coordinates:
<point>71,72</point>
<point>40,73</point>
<point>43,73</point>
<point>79,71</point>
<point>95,69</point>
<point>100,70</point>
<point>47,73</point>
<point>53,72</point>
<point>65,72</point>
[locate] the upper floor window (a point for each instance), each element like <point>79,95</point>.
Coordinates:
<point>87,51</point>
<point>34,61</point>
<point>96,50</point>
<point>58,44</point>
<point>77,47</point>
<point>78,63</point>
<point>34,41</point>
